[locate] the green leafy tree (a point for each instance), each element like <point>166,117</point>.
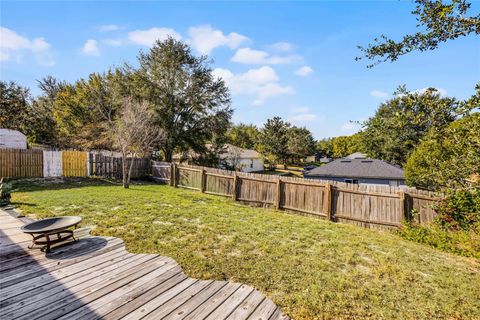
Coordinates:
<point>19,111</point>
<point>439,22</point>
<point>244,136</point>
<point>448,158</point>
<point>325,147</point>
<point>345,145</point>
<point>15,102</point>
<point>300,143</point>
<point>274,140</point>
<point>191,106</point>
<point>400,123</point>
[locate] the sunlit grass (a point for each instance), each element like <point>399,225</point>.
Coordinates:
<point>313,269</point>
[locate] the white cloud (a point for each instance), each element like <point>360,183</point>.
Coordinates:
<point>113,42</point>
<point>109,27</point>
<point>441,91</point>
<point>13,46</point>
<point>149,36</point>
<point>262,83</point>
<point>90,48</point>
<point>378,94</point>
<point>205,39</point>
<point>302,117</point>
<point>282,46</point>
<point>350,127</point>
<point>304,71</point>
<point>251,56</point>
<point>300,109</point>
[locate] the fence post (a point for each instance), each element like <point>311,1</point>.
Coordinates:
<point>402,201</point>
<point>328,200</point>
<point>279,193</point>
<point>235,183</point>
<point>174,172</point>
<point>203,180</point>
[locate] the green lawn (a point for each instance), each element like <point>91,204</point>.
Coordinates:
<point>313,269</point>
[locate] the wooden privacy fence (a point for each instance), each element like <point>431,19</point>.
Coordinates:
<point>108,166</point>
<point>29,163</point>
<point>74,164</point>
<point>364,205</point>
<point>19,163</point>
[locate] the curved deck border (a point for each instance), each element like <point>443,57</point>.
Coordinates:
<point>97,278</point>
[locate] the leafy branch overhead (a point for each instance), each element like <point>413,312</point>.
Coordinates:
<point>439,21</point>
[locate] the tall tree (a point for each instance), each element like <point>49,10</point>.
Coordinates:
<point>15,103</point>
<point>448,158</point>
<point>244,136</point>
<point>191,106</point>
<point>400,123</point>
<point>325,147</point>
<point>300,143</point>
<point>439,21</point>
<point>274,140</point>
<point>132,130</point>
<point>20,111</point>
<point>345,145</point>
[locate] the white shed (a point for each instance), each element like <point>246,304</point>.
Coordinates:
<point>12,139</point>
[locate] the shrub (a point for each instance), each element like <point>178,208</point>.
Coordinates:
<point>459,210</point>
<point>456,228</point>
<point>5,193</point>
<point>462,242</point>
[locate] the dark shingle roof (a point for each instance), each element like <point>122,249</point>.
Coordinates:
<point>357,168</point>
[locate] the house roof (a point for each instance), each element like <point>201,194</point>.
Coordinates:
<point>11,133</point>
<point>357,168</point>
<point>231,151</point>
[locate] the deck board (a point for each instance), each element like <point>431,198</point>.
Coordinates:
<point>97,278</point>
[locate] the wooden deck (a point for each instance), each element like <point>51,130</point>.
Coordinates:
<point>96,278</point>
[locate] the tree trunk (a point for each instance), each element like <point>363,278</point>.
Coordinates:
<point>168,154</point>
<point>130,169</point>
<point>125,177</point>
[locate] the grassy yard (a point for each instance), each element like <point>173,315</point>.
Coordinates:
<point>313,269</point>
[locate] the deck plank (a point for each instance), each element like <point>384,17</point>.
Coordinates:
<point>246,308</point>
<point>178,300</point>
<point>229,305</point>
<point>196,301</point>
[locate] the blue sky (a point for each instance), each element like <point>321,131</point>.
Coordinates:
<point>291,59</point>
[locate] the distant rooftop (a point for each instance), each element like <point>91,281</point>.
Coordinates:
<point>357,155</point>
<point>357,167</point>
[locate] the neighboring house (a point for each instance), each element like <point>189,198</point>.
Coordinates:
<point>358,169</point>
<point>317,157</point>
<point>12,139</point>
<point>231,157</point>
<point>325,160</point>
<point>245,160</point>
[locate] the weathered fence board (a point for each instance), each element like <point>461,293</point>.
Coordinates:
<point>111,167</point>
<point>52,164</point>
<point>74,163</point>
<point>21,163</point>
<point>368,206</point>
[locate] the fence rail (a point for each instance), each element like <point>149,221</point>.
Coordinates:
<point>368,206</point>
